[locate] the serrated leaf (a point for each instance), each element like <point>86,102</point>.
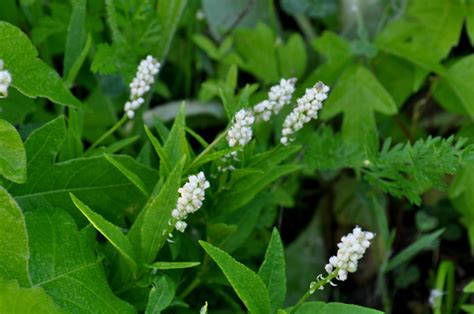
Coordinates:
<point>63,261</point>
<point>14,252</point>
<point>334,308</point>
<point>247,284</point>
<point>30,75</point>
<point>272,271</point>
<point>173,265</point>
<point>406,254</point>
<point>111,232</point>
<point>12,153</point>
<point>358,94</point>
<point>161,295</point>
<point>15,299</point>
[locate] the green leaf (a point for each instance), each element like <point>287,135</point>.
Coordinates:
<point>14,299</point>
<point>272,271</point>
<point>425,34</point>
<point>30,75</point>
<point>94,180</point>
<point>408,253</point>
<point>151,228</point>
<point>76,36</point>
<point>460,77</point>
<point>162,154</point>
<point>168,14</point>
<point>334,308</point>
<point>12,153</point>
<point>161,295</point>
<point>64,262</point>
<point>247,284</point>
<point>111,232</point>
<point>358,94</point>
<point>173,265</point>
<point>14,244</point>
<point>469,288</point>
<point>292,57</point>
<point>176,145</point>
<point>470,20</point>
<point>137,182</point>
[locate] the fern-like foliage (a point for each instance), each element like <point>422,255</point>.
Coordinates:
<point>407,170</point>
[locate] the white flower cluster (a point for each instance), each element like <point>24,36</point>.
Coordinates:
<point>306,109</point>
<point>278,97</point>
<point>351,249</point>
<point>192,195</point>
<point>5,80</point>
<point>240,132</point>
<point>141,84</point>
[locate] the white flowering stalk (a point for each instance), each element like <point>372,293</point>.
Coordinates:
<point>5,81</point>
<point>351,249</point>
<point>141,84</point>
<point>240,132</point>
<point>306,109</point>
<point>192,195</point>
<point>278,97</point>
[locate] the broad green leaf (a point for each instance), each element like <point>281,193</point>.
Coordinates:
<point>94,180</point>
<point>15,299</point>
<point>248,285</point>
<point>470,20</point>
<point>173,265</point>
<point>292,57</point>
<point>460,77</point>
<point>426,33</point>
<point>261,60</point>
<point>12,153</point>
<point>406,254</point>
<point>334,308</point>
<point>76,36</point>
<point>272,271</point>
<point>14,244</point>
<point>358,94</point>
<point>150,230</point>
<point>16,107</point>
<point>131,176</point>
<point>111,232</point>
<point>176,145</point>
<point>30,75</point>
<point>161,295</point>
<point>168,14</point>
<point>64,262</point>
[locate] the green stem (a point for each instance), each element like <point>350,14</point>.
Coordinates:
<point>216,141</point>
<point>313,288</point>
<point>109,132</point>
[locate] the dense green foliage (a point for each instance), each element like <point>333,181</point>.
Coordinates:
<point>88,193</point>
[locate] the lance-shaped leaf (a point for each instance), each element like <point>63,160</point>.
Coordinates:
<point>169,14</point>
<point>334,308</point>
<point>248,285</point>
<point>161,295</point>
<point>358,94</point>
<point>14,299</point>
<point>272,271</point>
<point>30,75</point>
<point>14,241</point>
<point>12,153</point>
<point>110,231</point>
<point>64,262</point>
<point>173,265</point>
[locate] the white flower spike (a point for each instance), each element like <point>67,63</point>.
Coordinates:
<point>5,81</point>
<point>141,84</point>
<point>192,195</point>
<point>306,109</point>
<point>278,97</point>
<point>240,133</point>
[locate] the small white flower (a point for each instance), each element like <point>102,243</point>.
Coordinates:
<point>351,249</point>
<point>278,96</point>
<point>192,194</point>
<point>5,80</point>
<point>141,84</point>
<point>434,295</point>
<point>306,109</point>
<point>240,133</point>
